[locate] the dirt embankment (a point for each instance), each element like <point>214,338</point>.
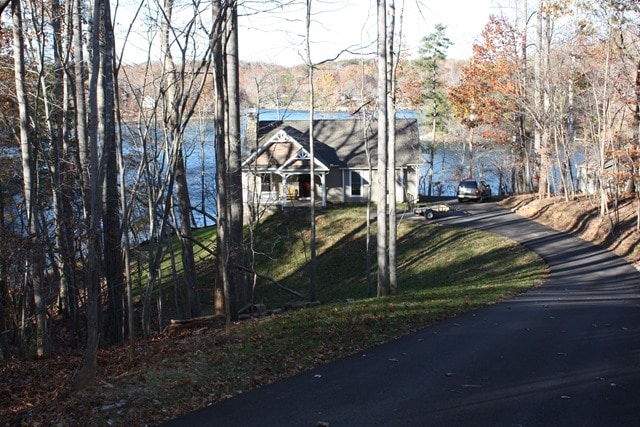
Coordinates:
<point>617,231</point>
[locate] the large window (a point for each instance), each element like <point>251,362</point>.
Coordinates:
<point>356,184</point>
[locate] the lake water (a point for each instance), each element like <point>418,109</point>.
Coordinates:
<point>449,166</point>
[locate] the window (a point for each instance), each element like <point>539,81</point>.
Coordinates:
<point>356,184</point>
<point>266,183</point>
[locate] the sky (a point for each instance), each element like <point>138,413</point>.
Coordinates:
<point>278,36</point>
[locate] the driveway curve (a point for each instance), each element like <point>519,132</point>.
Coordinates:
<point>564,354</point>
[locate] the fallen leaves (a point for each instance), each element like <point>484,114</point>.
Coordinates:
<point>28,386</point>
<point>36,392</point>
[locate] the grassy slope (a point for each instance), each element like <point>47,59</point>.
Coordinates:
<point>442,272</point>
<point>430,257</point>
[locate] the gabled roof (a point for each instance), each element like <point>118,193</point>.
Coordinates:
<point>286,149</point>
<point>341,143</point>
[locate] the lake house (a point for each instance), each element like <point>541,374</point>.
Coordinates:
<point>277,170</point>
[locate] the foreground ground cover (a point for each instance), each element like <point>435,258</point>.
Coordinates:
<point>442,272</point>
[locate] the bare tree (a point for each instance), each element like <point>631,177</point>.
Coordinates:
<point>28,155</point>
<point>541,97</point>
<point>111,221</point>
<point>230,290</point>
<point>313,268</point>
<point>391,65</point>
<point>236,213</point>
<point>384,287</point>
<point>179,108</point>
<point>99,127</point>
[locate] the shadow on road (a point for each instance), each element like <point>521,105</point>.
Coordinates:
<point>566,353</point>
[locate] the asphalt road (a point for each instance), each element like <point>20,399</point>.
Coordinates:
<point>564,354</point>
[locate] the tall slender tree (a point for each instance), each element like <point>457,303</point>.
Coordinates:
<point>230,290</point>
<point>179,105</point>
<point>384,286</point>
<point>391,64</point>
<point>112,218</point>
<point>99,126</point>
<point>235,203</point>
<point>433,52</point>
<point>313,275</point>
<point>541,96</point>
<point>28,154</point>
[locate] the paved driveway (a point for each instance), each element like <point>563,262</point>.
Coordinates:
<point>564,354</point>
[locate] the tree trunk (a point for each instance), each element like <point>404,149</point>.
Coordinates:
<point>230,293</point>
<point>87,374</point>
<point>62,190</point>
<point>541,97</point>
<point>471,151</point>
<point>538,99</point>
<point>125,207</point>
<point>82,134</point>
<point>313,269</point>
<point>173,119</point>
<point>636,142</point>
<point>636,110</point>
<point>186,238</point>
<point>4,305</point>
<point>4,291</point>
<point>222,286</point>
<point>522,181</point>
<point>365,140</point>
<point>29,170</point>
<point>111,223</point>
<point>82,143</point>
<point>382,232</point>
<point>604,131</point>
<point>391,149</point>
<point>236,214</point>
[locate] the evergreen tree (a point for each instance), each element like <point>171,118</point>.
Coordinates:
<point>433,52</point>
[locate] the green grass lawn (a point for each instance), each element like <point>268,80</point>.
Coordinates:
<point>431,258</point>
<point>442,272</point>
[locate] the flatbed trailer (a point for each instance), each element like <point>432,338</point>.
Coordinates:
<point>430,211</point>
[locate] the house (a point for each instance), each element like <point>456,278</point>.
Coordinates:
<point>277,171</point>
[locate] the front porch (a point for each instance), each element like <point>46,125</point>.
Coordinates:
<point>284,189</point>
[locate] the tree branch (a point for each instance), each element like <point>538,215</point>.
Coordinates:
<point>246,269</point>
<point>271,279</point>
<point>3,5</point>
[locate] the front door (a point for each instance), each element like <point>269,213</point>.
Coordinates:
<point>304,182</point>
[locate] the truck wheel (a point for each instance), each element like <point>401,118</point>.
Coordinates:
<point>429,214</point>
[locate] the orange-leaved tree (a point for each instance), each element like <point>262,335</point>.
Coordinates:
<point>488,90</point>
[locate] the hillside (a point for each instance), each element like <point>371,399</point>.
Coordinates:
<point>616,232</point>
<point>182,370</point>
<point>171,374</point>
